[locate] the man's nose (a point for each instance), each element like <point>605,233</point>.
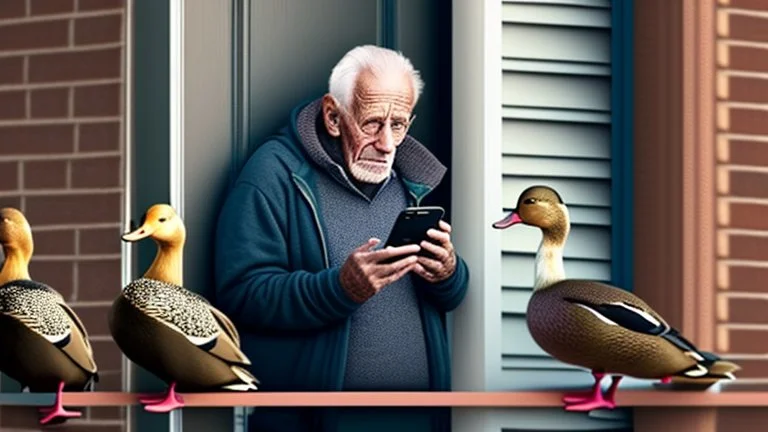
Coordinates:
<point>386,142</point>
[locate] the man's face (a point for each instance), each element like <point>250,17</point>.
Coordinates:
<point>375,125</point>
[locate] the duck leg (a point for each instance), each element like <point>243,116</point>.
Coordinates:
<point>586,395</point>
<point>163,404</point>
<point>595,400</point>
<point>57,411</point>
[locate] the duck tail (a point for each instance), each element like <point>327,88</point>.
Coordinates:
<point>247,382</point>
<point>708,370</point>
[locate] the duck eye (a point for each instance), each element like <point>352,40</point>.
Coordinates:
<point>530,201</point>
<point>162,219</point>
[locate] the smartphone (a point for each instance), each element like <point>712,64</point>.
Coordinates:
<point>411,227</point>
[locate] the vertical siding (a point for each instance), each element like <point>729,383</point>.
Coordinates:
<point>556,131</point>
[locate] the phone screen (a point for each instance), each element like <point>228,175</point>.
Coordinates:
<point>412,225</point>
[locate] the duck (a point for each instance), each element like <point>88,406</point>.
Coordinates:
<point>46,346</point>
<point>598,326</point>
<point>170,331</point>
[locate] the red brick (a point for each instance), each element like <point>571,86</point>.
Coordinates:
<point>86,5</point>
<point>50,103</point>
<point>94,319</point>
<point>10,201</point>
<point>742,89</point>
<point>74,209</point>
<point>100,241</point>
<point>19,418</point>
<point>50,174</point>
<point>747,341</point>
<point>748,247</point>
<point>99,280</point>
<point>9,176</point>
<point>748,216</point>
<point>11,70</point>
<point>55,242</point>
<point>97,100</point>
<point>12,8</point>
<point>748,153</point>
<point>50,139</point>
<point>106,353</point>
<point>748,58</point>
<point>748,184</point>
<point>99,137</point>
<point>79,65</point>
<point>747,311</point>
<point>748,28</point>
<point>749,4</point>
<point>96,172</point>
<point>748,279</point>
<point>13,104</point>
<point>752,369</point>
<point>57,274</point>
<point>99,30</point>
<point>48,7</point>
<point>749,121</point>
<point>46,34</point>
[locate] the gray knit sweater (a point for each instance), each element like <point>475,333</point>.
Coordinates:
<point>386,341</point>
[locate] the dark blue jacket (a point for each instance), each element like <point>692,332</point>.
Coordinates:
<point>274,282</point>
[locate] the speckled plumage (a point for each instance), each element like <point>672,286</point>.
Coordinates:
<point>186,311</point>
<point>37,306</point>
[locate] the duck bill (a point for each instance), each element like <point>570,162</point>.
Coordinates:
<point>139,233</point>
<point>511,219</point>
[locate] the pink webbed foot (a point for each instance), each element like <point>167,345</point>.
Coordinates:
<point>57,412</point>
<point>576,397</point>
<point>170,402</point>
<point>594,399</point>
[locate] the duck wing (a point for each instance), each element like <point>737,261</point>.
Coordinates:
<point>79,348</point>
<point>615,306</point>
<point>43,310</point>
<point>189,314</point>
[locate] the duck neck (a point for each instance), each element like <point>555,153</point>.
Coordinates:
<point>550,268</point>
<point>15,266</point>
<point>168,264</point>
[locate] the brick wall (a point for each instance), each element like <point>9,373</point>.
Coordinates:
<point>742,184</point>
<point>61,163</point>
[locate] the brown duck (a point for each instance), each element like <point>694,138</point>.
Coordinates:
<point>45,345</point>
<point>170,331</point>
<point>598,326</point>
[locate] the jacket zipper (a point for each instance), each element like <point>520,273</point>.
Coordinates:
<point>302,185</point>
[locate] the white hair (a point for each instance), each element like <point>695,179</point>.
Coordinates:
<point>379,60</point>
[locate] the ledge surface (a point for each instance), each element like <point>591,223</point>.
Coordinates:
<point>626,398</point>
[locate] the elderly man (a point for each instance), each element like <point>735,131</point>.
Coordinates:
<point>299,267</point>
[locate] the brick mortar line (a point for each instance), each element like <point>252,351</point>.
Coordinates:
<point>743,295</point>
<point>743,326</point>
<point>744,168</point>
<point>61,121</point>
<point>94,422</point>
<point>60,16</point>
<point>744,105</point>
<point>76,258</point>
<point>69,227</point>
<point>744,12</point>
<point>744,232</point>
<point>742,200</point>
<point>59,192</point>
<point>743,137</point>
<point>740,356</point>
<point>743,263</point>
<point>61,50</point>
<point>90,304</point>
<point>103,338</point>
<point>742,43</point>
<point>75,266</point>
<point>59,156</point>
<point>62,84</point>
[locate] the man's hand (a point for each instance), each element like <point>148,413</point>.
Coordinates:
<point>364,274</point>
<point>443,263</point>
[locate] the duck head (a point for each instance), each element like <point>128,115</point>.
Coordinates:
<point>538,206</point>
<point>160,223</point>
<point>16,240</point>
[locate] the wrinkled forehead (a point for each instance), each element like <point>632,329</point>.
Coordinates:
<point>383,92</point>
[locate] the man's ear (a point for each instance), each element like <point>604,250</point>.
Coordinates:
<point>331,116</point>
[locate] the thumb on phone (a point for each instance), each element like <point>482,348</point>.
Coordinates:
<point>373,241</point>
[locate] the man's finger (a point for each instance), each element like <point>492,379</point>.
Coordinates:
<point>421,271</point>
<point>445,226</point>
<point>441,236</point>
<point>440,252</point>
<point>373,241</point>
<point>429,264</point>
<point>391,252</point>
<point>399,273</point>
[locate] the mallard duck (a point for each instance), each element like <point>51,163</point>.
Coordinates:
<point>598,326</point>
<point>45,345</point>
<point>171,331</point>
